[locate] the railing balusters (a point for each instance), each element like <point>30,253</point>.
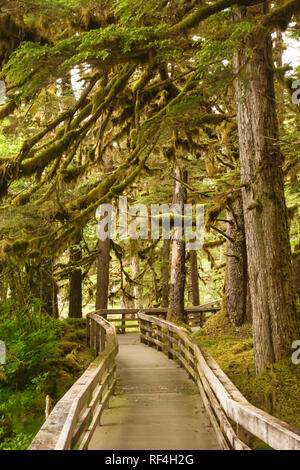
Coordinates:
<point>196,315</point>
<point>170,354</point>
<point>159,337</point>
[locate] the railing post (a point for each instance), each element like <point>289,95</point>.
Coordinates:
<point>92,334</point>
<point>192,362</point>
<point>159,338</point>
<point>102,338</point>
<point>123,325</point>
<point>97,338</point>
<point>150,334</point>
<point>181,342</point>
<point>88,332</point>
<point>142,331</point>
<point>170,355</point>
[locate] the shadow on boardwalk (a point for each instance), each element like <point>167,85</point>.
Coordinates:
<point>156,406</point>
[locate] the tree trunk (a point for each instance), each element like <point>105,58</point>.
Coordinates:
<point>135,265</point>
<point>178,273</point>
<point>135,273</point>
<point>49,293</point>
<point>103,274</point>
<point>75,289</point>
<point>296,265</point>
<point>42,285</point>
<point>194,281</point>
<point>275,325</point>
<point>165,274</point>
<point>194,278</point>
<point>236,279</point>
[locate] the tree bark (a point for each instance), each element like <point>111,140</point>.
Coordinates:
<point>236,278</point>
<point>165,274</point>
<point>275,324</point>
<point>135,272</point>
<point>178,272</point>
<point>42,285</point>
<point>194,278</point>
<point>75,288</point>
<point>103,274</point>
<point>49,293</point>
<point>135,265</point>
<point>194,283</point>
<point>296,266</point>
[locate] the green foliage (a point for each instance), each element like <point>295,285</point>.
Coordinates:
<point>226,40</point>
<point>30,341</point>
<point>32,66</point>
<point>43,359</point>
<point>133,12</point>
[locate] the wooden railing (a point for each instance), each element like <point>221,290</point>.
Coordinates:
<point>126,320</point>
<point>72,422</point>
<point>226,406</point>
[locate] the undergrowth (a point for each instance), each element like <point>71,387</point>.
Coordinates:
<point>44,357</point>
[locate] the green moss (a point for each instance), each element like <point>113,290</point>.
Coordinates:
<point>65,347</point>
<point>79,335</point>
<point>71,363</point>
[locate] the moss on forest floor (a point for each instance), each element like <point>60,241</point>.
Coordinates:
<point>22,412</point>
<point>275,390</point>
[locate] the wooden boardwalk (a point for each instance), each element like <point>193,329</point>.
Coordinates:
<point>156,405</point>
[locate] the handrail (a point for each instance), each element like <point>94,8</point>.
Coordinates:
<point>73,420</point>
<point>126,318</point>
<point>222,400</point>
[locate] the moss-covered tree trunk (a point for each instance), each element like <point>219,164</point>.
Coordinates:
<point>48,293</point>
<point>38,283</point>
<point>103,274</point>
<point>236,297</point>
<point>275,324</point>
<point>165,274</point>
<point>178,272</point>
<point>75,289</point>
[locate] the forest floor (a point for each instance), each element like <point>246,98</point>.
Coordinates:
<point>275,390</point>
<point>40,363</point>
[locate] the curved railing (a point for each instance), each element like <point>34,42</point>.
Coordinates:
<point>226,406</point>
<point>73,420</point>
